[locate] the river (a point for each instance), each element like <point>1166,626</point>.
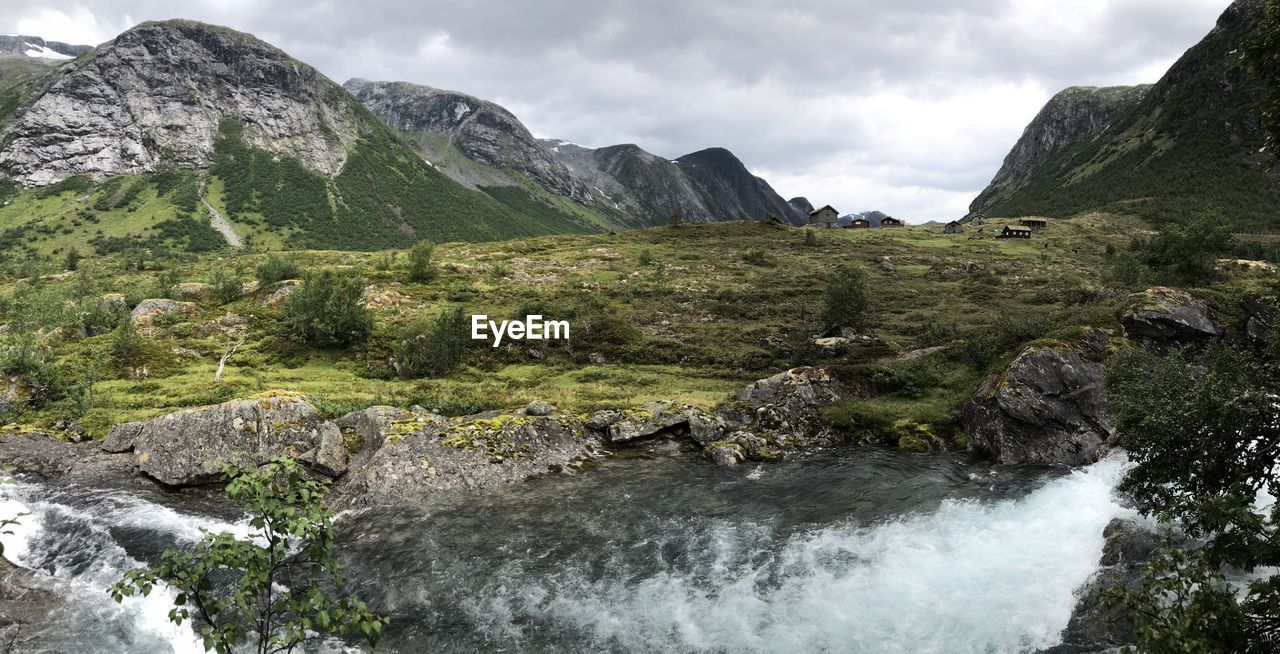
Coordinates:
<point>848,550</point>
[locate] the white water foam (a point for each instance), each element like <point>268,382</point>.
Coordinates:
<point>970,577</point>
<point>85,558</point>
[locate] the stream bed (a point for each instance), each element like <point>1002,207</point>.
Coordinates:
<point>848,550</point>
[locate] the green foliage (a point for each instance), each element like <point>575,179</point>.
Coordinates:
<point>810,238</point>
<point>646,257</point>
<point>72,261</point>
<point>1186,254</point>
<point>1262,56</point>
<point>1203,436</point>
<point>434,348</point>
<point>277,268</point>
<point>846,297</point>
<point>420,265</point>
<point>125,347</point>
<point>224,286</point>
<point>271,593</point>
<point>74,184</point>
<point>327,310</point>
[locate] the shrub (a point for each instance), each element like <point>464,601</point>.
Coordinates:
<point>432,348</point>
<point>846,301</point>
<point>276,268</point>
<point>421,268</point>
<point>328,310</point>
<point>224,287</point>
<point>125,346</point>
<point>758,257</point>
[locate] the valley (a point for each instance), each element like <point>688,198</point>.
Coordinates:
<point>539,396</point>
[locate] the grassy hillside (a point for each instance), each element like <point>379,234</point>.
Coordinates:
<point>1190,147</point>
<point>686,313</point>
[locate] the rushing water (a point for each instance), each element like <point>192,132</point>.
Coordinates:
<point>855,550</point>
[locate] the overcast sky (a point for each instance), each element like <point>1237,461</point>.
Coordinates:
<point>906,106</point>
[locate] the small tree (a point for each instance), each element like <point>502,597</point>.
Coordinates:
<point>677,218</point>
<point>125,346</point>
<point>421,268</point>
<point>224,287</point>
<point>72,262</point>
<point>272,592</point>
<point>434,348</point>
<point>847,301</point>
<point>328,309</point>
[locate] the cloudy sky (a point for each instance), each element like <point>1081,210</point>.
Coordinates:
<point>907,106</point>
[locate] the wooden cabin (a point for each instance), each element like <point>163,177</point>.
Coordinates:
<point>953,227</point>
<point>824,217</point>
<point>890,221</point>
<point>1016,231</point>
<point>1034,223</point>
<point>859,223</point>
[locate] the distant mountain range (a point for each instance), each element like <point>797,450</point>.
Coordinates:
<point>1186,146</point>
<point>293,158</point>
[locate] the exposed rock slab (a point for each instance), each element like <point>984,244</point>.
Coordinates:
<point>189,447</point>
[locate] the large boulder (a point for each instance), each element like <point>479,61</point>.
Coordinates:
<point>148,310</point>
<point>408,456</point>
<point>27,599</point>
<point>189,447</point>
<point>1048,407</point>
<point>1163,316</point>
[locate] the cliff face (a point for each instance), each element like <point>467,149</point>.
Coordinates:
<point>1185,147</point>
<point>1071,116</point>
<point>154,96</point>
<point>483,131</point>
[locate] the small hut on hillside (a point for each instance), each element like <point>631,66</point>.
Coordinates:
<point>1034,223</point>
<point>824,217</point>
<point>859,223</point>
<point>953,227</point>
<point>890,221</point>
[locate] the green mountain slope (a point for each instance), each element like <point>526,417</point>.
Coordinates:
<point>1189,146</point>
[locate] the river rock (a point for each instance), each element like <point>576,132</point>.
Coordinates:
<point>148,310</point>
<point>651,420</point>
<point>1166,316</point>
<point>539,408</point>
<point>189,447</point>
<point>1095,624</point>
<point>772,415</point>
<point>1048,407</point>
<point>412,455</point>
<point>27,600</point>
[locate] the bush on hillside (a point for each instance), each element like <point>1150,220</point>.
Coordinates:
<point>846,297</point>
<point>327,310</point>
<point>432,348</point>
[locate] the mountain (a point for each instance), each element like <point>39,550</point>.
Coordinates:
<point>482,145</point>
<point>873,217</point>
<point>34,46</point>
<point>1070,117</point>
<point>292,158</point>
<point>1187,146</point>
<point>481,130</point>
<point>801,204</point>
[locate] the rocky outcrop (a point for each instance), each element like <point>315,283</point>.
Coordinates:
<point>1165,317</point>
<point>730,192</point>
<point>407,456</point>
<point>801,204</point>
<point>1072,115</point>
<point>154,96</point>
<point>43,454</point>
<point>148,311</point>
<point>483,131</point>
<point>1264,317</point>
<point>1048,407</point>
<point>1098,625</point>
<point>189,447</point>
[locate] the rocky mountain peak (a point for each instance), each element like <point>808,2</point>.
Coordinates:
<point>154,97</point>
<point>483,131</point>
<point>1074,114</point>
